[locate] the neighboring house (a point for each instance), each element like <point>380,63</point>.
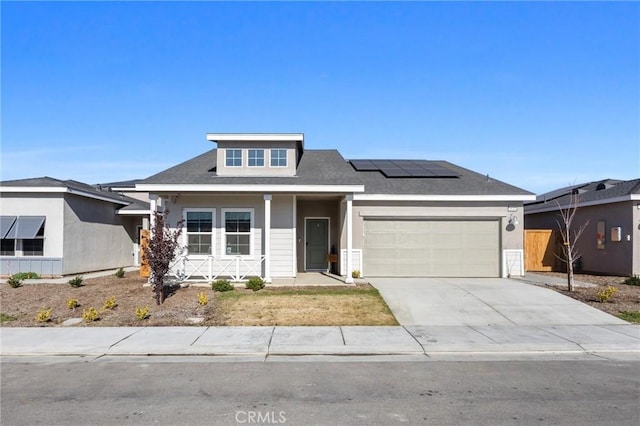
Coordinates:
<point>610,244</point>
<point>262,204</point>
<point>56,227</point>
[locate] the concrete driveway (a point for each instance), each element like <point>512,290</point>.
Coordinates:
<point>483,301</point>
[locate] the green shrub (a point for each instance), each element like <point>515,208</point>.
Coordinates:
<point>633,280</point>
<point>76,282</point>
<point>14,282</point>
<point>255,283</point>
<point>355,274</point>
<point>222,285</point>
<point>120,272</point>
<point>26,276</point>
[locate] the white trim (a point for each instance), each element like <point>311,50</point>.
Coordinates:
<point>134,212</point>
<point>153,202</point>
<point>249,157</point>
<point>123,188</point>
<point>223,232</point>
<point>136,246</point>
<point>554,207</point>
<point>249,188</point>
<point>294,260</point>
<point>328,219</point>
<point>286,158</point>
<point>255,137</point>
<point>185,236</point>
<point>226,151</point>
<point>343,265</point>
<point>422,197</point>
<point>67,190</point>
<point>506,271</point>
<point>32,189</point>
<point>267,238</point>
<point>349,213</point>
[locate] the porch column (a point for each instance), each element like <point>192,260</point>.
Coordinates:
<point>349,213</point>
<point>153,201</point>
<point>267,238</point>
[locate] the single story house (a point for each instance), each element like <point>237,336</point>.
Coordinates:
<point>610,243</point>
<point>60,227</point>
<point>262,204</point>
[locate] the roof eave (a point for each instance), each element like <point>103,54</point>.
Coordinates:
<point>61,190</point>
<point>134,212</point>
<point>442,197</point>
<point>248,188</point>
<point>532,208</point>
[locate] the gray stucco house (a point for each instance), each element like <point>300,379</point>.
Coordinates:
<point>54,227</point>
<point>610,243</point>
<point>262,204</point>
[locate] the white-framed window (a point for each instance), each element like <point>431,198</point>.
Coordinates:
<point>233,157</point>
<point>199,227</point>
<point>237,235</point>
<point>278,158</point>
<point>256,158</point>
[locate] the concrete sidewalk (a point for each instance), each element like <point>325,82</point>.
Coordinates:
<point>260,343</point>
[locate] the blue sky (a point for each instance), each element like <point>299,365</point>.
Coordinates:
<point>539,94</point>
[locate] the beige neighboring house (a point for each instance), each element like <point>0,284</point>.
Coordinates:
<point>610,243</point>
<point>264,205</point>
<point>55,227</point>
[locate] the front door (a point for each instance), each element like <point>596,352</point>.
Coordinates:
<point>316,244</point>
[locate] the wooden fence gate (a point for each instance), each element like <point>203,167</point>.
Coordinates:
<point>144,246</point>
<point>539,248</point>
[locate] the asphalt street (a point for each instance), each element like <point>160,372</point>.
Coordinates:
<point>69,391</point>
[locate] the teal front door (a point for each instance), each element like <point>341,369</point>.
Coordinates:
<point>316,244</point>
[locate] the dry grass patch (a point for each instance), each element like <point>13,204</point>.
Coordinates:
<point>312,306</point>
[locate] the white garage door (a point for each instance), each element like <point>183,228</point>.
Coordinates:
<point>431,248</point>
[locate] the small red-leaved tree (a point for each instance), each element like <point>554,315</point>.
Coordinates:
<point>570,235</point>
<point>162,250</point>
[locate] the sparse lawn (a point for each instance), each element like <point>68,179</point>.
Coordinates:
<point>361,305</point>
<point>343,305</point>
<point>6,318</point>
<point>630,316</point>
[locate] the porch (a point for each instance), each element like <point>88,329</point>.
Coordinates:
<point>278,238</point>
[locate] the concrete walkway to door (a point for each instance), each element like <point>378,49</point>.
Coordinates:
<point>483,302</point>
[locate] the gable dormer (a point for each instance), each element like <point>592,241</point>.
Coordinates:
<point>257,154</point>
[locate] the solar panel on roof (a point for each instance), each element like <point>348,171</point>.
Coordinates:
<point>395,173</point>
<point>405,168</point>
<point>364,165</point>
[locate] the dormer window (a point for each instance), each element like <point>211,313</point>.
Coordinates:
<point>278,158</point>
<point>233,157</point>
<point>256,158</point>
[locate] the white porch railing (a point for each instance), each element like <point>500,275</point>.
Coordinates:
<point>211,268</point>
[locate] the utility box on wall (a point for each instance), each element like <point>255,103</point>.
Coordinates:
<point>616,233</point>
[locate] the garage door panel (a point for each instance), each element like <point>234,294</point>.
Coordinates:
<point>446,248</point>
